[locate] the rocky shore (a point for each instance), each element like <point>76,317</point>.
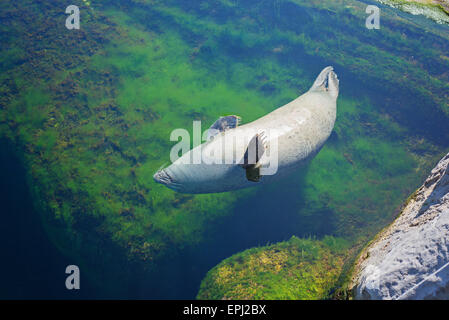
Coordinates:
<point>410,258</point>
<point>437,10</point>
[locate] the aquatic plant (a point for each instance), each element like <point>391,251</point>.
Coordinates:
<point>288,270</point>
<point>91,112</point>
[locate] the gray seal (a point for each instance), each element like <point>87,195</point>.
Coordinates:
<point>239,156</point>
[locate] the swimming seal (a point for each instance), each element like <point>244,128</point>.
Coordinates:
<point>239,156</point>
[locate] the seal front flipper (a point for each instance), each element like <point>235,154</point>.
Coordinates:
<point>223,124</point>
<point>254,151</point>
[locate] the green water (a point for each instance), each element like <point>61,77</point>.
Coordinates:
<point>92,110</point>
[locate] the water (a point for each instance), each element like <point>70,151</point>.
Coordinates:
<point>94,109</point>
<point>32,267</point>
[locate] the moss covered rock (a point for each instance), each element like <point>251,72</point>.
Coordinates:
<point>437,10</point>
<point>293,269</point>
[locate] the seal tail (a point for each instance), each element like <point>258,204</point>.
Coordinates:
<point>327,81</point>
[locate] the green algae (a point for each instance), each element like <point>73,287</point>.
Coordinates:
<point>289,270</point>
<point>94,120</point>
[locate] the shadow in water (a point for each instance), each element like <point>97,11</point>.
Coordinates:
<point>269,214</point>
<point>31,267</point>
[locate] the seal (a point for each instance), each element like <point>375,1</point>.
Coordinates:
<point>238,156</point>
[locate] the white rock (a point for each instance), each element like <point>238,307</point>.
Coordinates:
<point>410,259</point>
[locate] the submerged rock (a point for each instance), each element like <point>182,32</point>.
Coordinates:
<point>297,269</point>
<point>410,259</point>
<point>437,10</point>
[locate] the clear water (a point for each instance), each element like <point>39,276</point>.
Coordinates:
<point>91,113</point>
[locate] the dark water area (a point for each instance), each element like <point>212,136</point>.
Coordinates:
<point>31,267</point>
<point>268,216</point>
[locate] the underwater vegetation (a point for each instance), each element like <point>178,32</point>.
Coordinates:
<point>91,110</point>
<point>293,269</point>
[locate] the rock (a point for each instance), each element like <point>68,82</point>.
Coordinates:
<point>437,10</point>
<point>410,258</point>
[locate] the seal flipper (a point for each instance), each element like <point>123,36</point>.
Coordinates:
<point>254,152</point>
<point>223,124</point>
<point>327,81</point>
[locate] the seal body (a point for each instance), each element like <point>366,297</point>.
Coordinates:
<point>293,133</point>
